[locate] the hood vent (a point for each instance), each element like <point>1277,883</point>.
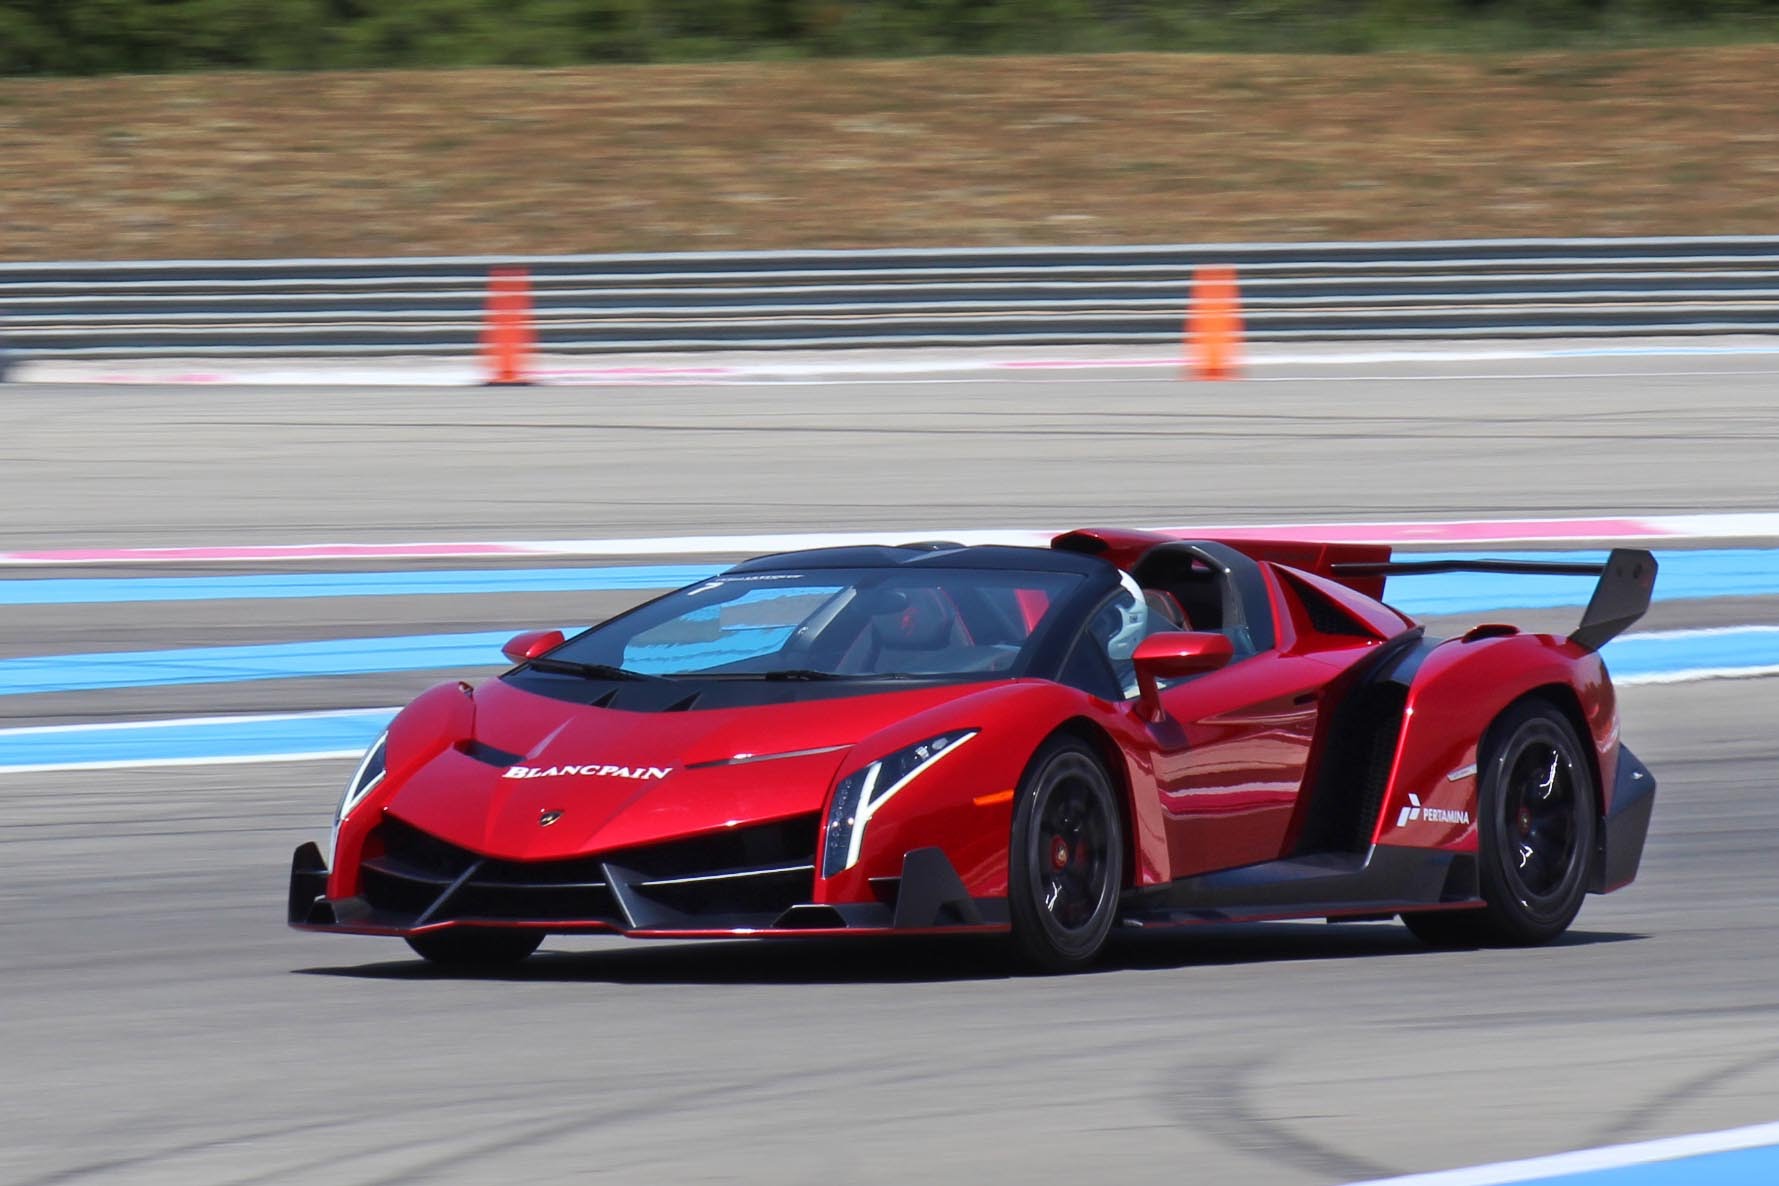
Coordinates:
<point>490,755</point>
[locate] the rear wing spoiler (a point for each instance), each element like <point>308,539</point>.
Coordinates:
<point>1627,579</point>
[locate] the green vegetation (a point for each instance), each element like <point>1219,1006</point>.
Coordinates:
<point>154,36</point>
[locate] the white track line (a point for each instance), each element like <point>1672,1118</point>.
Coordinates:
<point>1704,632</point>
<point>1441,533</point>
<point>1694,675</point>
<point>1589,1160</point>
<point>845,363</point>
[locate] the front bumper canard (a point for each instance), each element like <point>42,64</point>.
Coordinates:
<point>308,888</point>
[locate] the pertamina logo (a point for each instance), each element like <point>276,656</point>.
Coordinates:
<point>1436,815</point>
<point>640,773</point>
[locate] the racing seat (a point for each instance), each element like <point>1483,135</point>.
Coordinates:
<point>1165,610</point>
<point>905,638</point>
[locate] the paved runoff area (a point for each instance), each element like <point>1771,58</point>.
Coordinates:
<point>214,595</point>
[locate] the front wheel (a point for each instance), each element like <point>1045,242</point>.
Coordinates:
<point>472,948</point>
<point>1536,828</point>
<point>1066,857</point>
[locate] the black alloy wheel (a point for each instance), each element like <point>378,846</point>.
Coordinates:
<point>1537,828</point>
<point>1066,859</point>
<point>472,948</point>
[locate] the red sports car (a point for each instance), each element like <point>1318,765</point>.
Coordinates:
<point>1120,730</point>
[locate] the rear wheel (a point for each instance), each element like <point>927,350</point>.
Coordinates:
<point>1536,827</point>
<point>474,947</point>
<point>1066,858</point>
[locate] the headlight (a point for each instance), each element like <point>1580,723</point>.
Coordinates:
<point>862,792</point>
<point>364,780</point>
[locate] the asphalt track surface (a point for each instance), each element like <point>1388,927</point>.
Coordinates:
<point>158,1024</point>
<point>156,466</point>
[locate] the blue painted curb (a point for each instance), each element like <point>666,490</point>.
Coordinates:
<point>140,743</point>
<point>1746,648</point>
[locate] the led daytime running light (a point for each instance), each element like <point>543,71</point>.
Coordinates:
<point>861,793</point>
<point>365,779</point>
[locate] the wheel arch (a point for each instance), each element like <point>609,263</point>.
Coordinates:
<point>1461,689</point>
<point>965,805</point>
<point>1111,757</point>
<point>1044,939</point>
<point>1563,698</point>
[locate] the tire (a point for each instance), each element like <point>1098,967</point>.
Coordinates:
<point>1065,857</point>
<point>1536,825</point>
<point>475,947</point>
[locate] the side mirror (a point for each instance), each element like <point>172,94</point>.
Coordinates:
<point>522,648</point>
<point>1174,654</point>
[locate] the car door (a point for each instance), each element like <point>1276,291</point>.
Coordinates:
<point>1224,762</point>
<point>1233,746</point>
<point>1231,752</point>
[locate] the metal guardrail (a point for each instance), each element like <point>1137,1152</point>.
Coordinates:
<point>974,297</point>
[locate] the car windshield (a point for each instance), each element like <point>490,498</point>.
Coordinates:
<point>874,623</point>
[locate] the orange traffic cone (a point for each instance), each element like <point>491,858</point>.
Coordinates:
<point>1214,325</point>
<point>507,334</point>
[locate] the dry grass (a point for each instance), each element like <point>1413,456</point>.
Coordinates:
<point>1107,149</point>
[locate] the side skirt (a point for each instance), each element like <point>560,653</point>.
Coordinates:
<point>1387,880</point>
